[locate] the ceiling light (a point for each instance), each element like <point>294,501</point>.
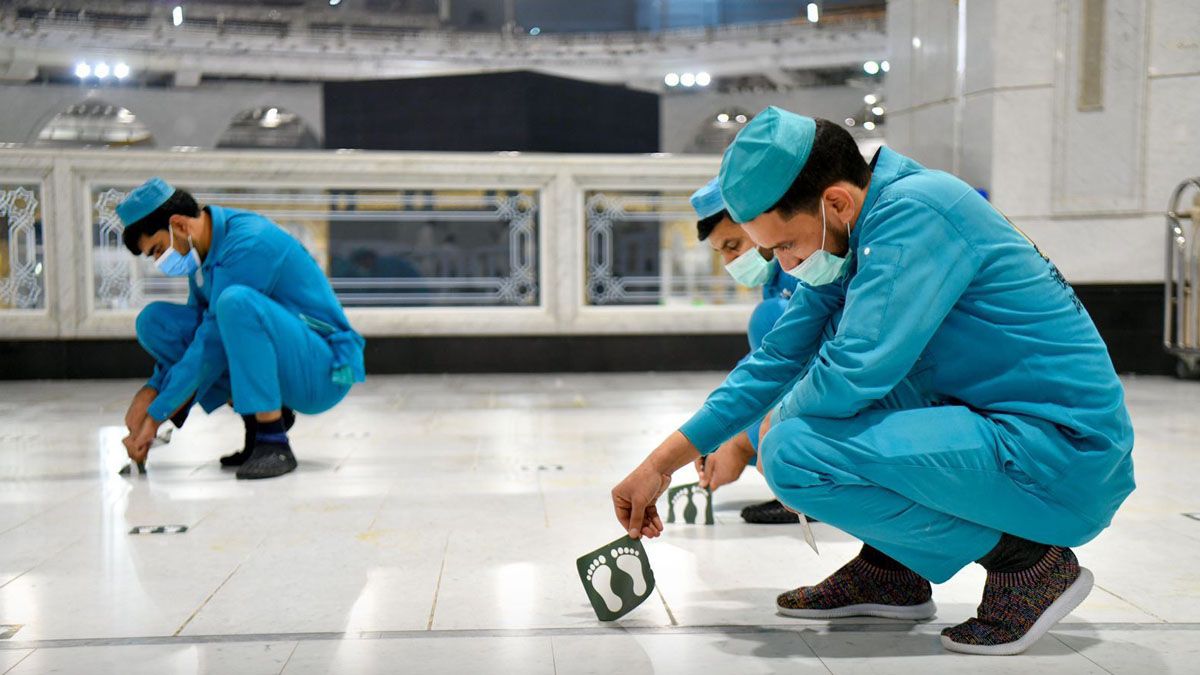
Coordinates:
<point>121,71</point>
<point>885,66</point>
<point>869,126</point>
<point>849,121</point>
<point>916,43</point>
<point>672,79</point>
<point>877,110</point>
<point>687,79</point>
<point>871,67</point>
<point>101,70</point>
<point>723,118</point>
<point>334,3</point>
<point>177,15</point>
<point>740,119</point>
<point>82,70</point>
<point>703,79</point>
<point>535,31</point>
<point>814,13</point>
<point>870,99</point>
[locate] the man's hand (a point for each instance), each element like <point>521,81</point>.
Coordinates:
<point>137,445</point>
<point>634,501</point>
<point>726,464</point>
<point>136,415</point>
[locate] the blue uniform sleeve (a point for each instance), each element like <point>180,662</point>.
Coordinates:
<point>242,263</point>
<point>759,380</point>
<point>913,266</point>
<point>159,375</point>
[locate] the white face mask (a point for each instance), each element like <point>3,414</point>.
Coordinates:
<point>750,269</point>
<point>822,267</point>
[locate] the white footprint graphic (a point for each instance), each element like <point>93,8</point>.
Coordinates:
<point>629,562</point>
<point>600,576</point>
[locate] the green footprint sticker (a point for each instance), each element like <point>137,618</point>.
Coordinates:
<point>691,493</point>
<point>617,578</point>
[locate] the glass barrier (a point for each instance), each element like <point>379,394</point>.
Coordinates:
<point>642,249</point>
<point>22,250</point>
<point>380,248</point>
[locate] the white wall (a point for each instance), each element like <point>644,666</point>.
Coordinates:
<point>194,116</point>
<point>1089,187</point>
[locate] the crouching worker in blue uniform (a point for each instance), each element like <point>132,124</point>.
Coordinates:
<point>752,267</point>
<point>1021,446</point>
<point>261,329</point>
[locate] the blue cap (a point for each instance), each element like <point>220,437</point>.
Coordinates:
<point>143,199</point>
<point>764,160</point>
<point>707,200</point>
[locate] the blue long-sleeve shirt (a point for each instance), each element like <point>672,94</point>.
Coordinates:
<point>247,249</point>
<point>944,290</point>
<point>780,284</point>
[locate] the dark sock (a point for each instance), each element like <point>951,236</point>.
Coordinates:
<point>879,559</point>
<point>272,432</point>
<point>1013,554</point>
<point>251,425</point>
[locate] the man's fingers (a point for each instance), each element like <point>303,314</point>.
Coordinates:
<point>637,514</point>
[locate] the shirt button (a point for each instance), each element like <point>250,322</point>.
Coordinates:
<point>867,251</point>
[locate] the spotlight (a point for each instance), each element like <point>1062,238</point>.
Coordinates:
<point>871,67</point>
<point>870,99</point>
<point>177,15</point>
<point>703,79</point>
<point>82,70</point>
<point>740,119</point>
<point>814,13</point>
<point>885,66</point>
<point>101,70</point>
<point>877,110</point>
<point>334,3</point>
<point>687,80</point>
<point>869,126</point>
<point>723,118</point>
<point>916,43</point>
<point>672,79</point>
<point>849,121</point>
<point>535,31</point>
<point>121,71</point>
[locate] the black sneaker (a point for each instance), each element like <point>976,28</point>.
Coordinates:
<point>239,458</point>
<point>769,513</point>
<point>268,461</point>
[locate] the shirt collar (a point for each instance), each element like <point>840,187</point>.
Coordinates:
<point>217,215</point>
<point>884,168</point>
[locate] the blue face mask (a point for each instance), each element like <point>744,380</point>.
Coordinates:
<point>175,264</point>
<point>750,269</point>
<point>822,267</point>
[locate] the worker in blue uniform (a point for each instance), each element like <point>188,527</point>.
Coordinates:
<point>262,328</point>
<point>752,267</point>
<point>1022,445</point>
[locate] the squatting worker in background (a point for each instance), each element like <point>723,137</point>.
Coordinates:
<point>752,267</point>
<point>1022,445</point>
<point>261,329</point>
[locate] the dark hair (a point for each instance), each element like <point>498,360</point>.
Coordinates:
<point>706,226</point>
<point>834,158</point>
<point>179,203</point>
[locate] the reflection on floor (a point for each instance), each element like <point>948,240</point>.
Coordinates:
<point>434,524</point>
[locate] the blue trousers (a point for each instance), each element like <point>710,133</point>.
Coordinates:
<point>932,487</point>
<point>274,358</point>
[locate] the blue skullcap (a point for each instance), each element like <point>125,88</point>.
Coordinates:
<point>142,201</point>
<point>764,160</point>
<point>707,200</point>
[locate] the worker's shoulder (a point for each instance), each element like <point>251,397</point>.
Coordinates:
<point>247,228</point>
<point>936,190</point>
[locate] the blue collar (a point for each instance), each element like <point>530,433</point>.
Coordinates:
<point>218,216</point>
<point>884,168</point>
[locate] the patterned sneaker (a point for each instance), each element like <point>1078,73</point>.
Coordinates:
<point>862,589</point>
<point>1018,608</point>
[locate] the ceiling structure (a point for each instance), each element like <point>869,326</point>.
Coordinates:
<point>310,40</point>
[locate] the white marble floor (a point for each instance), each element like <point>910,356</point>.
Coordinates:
<point>430,530</point>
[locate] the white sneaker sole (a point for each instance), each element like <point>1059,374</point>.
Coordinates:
<point>925,610</point>
<point>1057,611</point>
